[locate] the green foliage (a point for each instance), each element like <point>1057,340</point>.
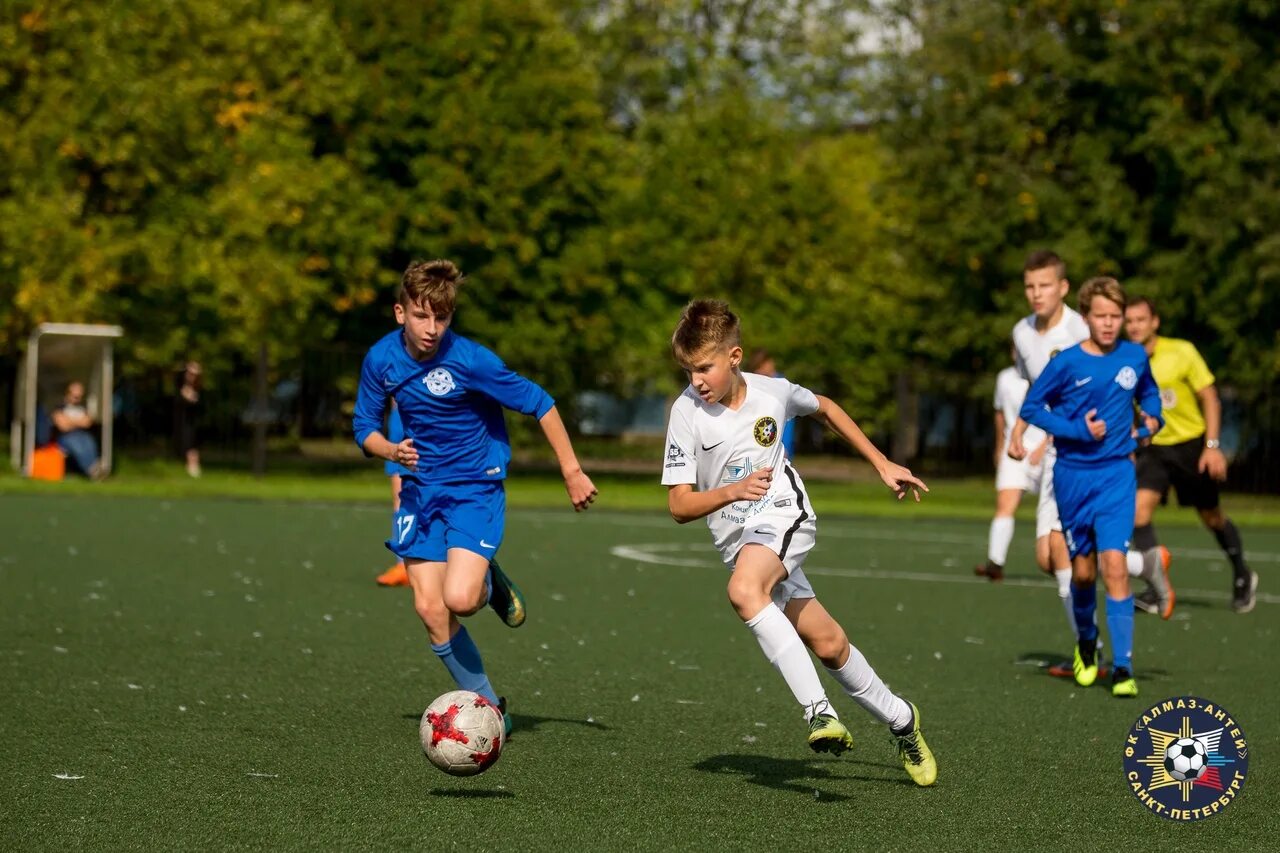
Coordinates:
<point>168,172</point>
<point>212,175</point>
<point>1137,138</point>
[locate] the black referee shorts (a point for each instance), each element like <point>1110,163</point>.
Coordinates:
<point>1162,466</point>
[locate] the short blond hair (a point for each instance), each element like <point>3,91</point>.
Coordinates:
<point>432,283</point>
<point>705,324</point>
<point>1104,286</point>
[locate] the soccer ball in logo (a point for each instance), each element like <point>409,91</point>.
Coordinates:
<point>1185,759</point>
<point>462,733</point>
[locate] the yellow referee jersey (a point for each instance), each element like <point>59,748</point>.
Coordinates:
<point>1180,372</point>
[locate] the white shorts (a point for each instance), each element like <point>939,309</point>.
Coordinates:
<point>791,542</point>
<point>1047,519</point>
<point>1018,474</point>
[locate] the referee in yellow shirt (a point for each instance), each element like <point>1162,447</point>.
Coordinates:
<point>1185,454</point>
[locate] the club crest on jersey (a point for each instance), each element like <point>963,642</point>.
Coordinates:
<point>1168,398</point>
<point>766,432</point>
<point>1127,378</point>
<point>439,381</point>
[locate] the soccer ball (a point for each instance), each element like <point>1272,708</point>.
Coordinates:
<point>1185,759</point>
<point>462,733</point>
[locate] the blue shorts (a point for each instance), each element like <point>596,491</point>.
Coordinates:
<point>395,435</point>
<point>436,517</point>
<point>1096,505</point>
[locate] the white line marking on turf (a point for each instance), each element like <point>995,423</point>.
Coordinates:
<point>66,776</point>
<point>658,554</point>
<point>842,533</point>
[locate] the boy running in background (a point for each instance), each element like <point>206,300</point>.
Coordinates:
<point>1085,399</point>
<point>451,392</point>
<point>723,451</point>
<point>1013,476</point>
<point>1050,328</point>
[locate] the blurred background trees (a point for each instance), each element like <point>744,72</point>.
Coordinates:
<point>860,179</point>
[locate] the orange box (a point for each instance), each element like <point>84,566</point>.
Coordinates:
<point>48,463</point>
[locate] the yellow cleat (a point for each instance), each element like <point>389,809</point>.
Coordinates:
<point>1085,663</point>
<point>1123,684</point>
<point>916,756</point>
<point>828,734</point>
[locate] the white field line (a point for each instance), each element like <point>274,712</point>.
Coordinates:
<point>829,532</point>
<point>667,554</point>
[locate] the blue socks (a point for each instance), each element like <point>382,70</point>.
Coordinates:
<point>461,657</point>
<point>1084,601</point>
<point>1120,626</point>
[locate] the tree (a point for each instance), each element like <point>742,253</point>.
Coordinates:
<point>176,173</point>
<point>1138,139</point>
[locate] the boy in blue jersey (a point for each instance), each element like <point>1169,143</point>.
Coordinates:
<point>450,392</point>
<point>1085,399</point>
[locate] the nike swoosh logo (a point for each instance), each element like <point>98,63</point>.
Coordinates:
<point>712,447</point>
<point>484,544</point>
<point>1084,381</point>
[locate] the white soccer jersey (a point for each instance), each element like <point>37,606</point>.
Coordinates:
<point>710,445</point>
<point>1011,390</point>
<point>1033,349</point>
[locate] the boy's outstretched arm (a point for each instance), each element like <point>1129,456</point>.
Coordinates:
<point>576,482</point>
<point>685,504</point>
<point>896,477</point>
<point>404,453</point>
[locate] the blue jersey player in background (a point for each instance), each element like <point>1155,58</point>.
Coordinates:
<point>1085,399</point>
<point>451,392</point>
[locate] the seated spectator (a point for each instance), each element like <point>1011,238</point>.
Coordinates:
<point>71,423</point>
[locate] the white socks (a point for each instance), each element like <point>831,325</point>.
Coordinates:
<point>860,681</point>
<point>998,540</point>
<point>787,652</point>
<point>1063,577</point>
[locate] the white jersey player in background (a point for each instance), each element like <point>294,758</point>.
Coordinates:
<point>724,462</point>
<point>1013,477</point>
<point>1050,328</point>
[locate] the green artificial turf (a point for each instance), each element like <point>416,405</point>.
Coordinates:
<point>224,674</point>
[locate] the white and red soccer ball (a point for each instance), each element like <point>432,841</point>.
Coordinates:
<point>462,733</point>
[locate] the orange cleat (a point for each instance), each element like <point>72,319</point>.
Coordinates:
<point>397,575</point>
<point>1169,598</point>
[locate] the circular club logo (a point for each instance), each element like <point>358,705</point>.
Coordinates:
<point>1127,378</point>
<point>766,432</point>
<point>439,381</point>
<point>1186,758</point>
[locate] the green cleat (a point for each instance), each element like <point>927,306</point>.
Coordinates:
<point>828,734</point>
<point>1085,664</point>
<point>505,597</point>
<point>1123,683</point>
<point>916,756</point>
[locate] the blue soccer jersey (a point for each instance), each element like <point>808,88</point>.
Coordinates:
<point>1075,382</point>
<point>450,405</point>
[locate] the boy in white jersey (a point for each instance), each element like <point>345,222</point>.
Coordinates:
<point>723,450</point>
<point>1050,328</point>
<point>1013,477</point>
